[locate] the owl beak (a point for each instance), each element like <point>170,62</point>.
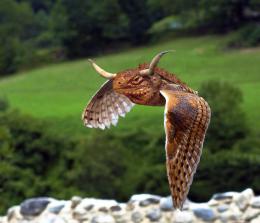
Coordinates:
<point>154,63</point>
<point>102,72</point>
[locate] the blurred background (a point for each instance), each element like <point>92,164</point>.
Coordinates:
<point>45,82</point>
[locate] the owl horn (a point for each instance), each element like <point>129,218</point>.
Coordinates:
<point>102,72</point>
<point>154,62</point>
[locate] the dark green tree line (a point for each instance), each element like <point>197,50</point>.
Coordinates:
<point>116,164</point>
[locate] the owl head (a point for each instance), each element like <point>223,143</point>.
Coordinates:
<point>139,84</point>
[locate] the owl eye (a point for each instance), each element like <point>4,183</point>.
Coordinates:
<point>137,80</point>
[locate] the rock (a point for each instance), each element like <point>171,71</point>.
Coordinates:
<point>224,196</point>
<point>75,200</point>
<point>149,201</point>
<point>203,211</point>
<point>233,214</point>
<point>243,199</point>
<point>103,219</point>
<point>130,206</point>
<point>183,217</point>
<point>166,204</point>
<point>256,220</point>
<point>34,206</point>
<point>56,209</point>
<point>137,217</point>
<point>206,214</point>
<point>117,211</point>
<point>97,203</point>
<point>11,212</point>
<point>115,208</point>
<point>56,206</point>
<point>186,205</point>
<point>3,219</point>
<point>213,202</point>
<point>50,218</point>
<point>145,199</point>
<point>154,214</point>
<point>222,208</point>
<point>89,207</point>
<point>79,213</point>
<point>103,209</point>
<point>255,202</point>
<point>251,213</point>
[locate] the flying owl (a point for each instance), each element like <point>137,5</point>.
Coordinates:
<point>186,116</point>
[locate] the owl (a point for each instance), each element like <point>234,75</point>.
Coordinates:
<point>186,116</point>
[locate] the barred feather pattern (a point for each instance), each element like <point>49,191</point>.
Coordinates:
<point>187,117</point>
<point>105,108</point>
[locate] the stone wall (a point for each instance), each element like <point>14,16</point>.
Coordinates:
<point>223,207</point>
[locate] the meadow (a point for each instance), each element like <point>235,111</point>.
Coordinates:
<point>59,92</point>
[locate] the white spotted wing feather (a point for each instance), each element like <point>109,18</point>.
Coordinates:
<point>105,108</point>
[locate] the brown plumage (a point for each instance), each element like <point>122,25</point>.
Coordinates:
<point>186,120</point>
<point>105,107</point>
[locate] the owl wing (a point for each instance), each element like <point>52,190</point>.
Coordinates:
<point>186,121</point>
<point>105,107</point>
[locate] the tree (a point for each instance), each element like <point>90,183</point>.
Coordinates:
<point>13,35</point>
<point>140,19</point>
<point>94,25</point>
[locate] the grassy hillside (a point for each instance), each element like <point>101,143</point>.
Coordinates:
<point>61,91</point>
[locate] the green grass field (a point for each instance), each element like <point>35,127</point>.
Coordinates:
<point>60,92</point>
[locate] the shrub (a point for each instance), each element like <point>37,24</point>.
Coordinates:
<point>247,36</point>
<point>30,156</point>
<point>225,171</point>
<point>4,104</point>
<point>228,122</point>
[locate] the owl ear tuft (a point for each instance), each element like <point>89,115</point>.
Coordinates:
<point>102,72</point>
<point>154,63</point>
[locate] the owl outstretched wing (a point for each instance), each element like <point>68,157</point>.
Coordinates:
<point>105,107</point>
<point>186,121</point>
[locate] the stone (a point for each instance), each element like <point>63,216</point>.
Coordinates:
<point>213,202</point>
<point>103,219</point>
<point>50,218</point>
<point>166,204</point>
<point>222,208</point>
<point>34,206</point>
<point>89,207</point>
<point>255,202</point>
<point>148,201</point>
<point>115,208</point>
<point>251,213</point>
<point>206,214</point>
<point>121,216</point>
<point>255,220</point>
<point>3,219</point>
<point>183,217</point>
<point>233,214</point>
<point>224,196</point>
<point>154,214</point>
<point>75,200</point>
<point>56,209</point>
<point>97,203</point>
<point>136,217</point>
<point>79,213</point>
<point>11,212</point>
<point>186,205</point>
<point>103,209</point>
<point>130,206</point>
<point>56,206</point>
<point>203,211</point>
<point>243,199</point>
<point>143,197</point>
